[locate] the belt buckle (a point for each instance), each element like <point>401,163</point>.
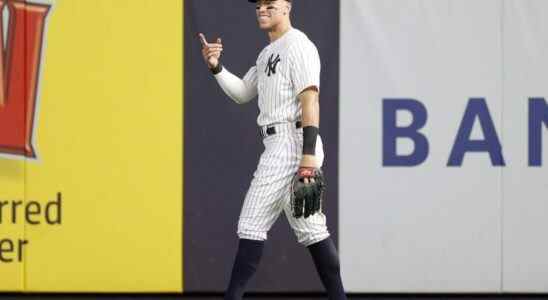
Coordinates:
<point>270,130</point>
<point>266,131</point>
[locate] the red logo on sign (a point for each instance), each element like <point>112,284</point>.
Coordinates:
<point>19,72</point>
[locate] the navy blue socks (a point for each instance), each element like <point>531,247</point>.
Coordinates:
<point>327,263</point>
<point>324,255</point>
<point>246,263</point>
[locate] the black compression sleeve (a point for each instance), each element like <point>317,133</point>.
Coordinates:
<point>310,134</point>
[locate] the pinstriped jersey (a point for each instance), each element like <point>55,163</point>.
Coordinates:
<point>283,70</point>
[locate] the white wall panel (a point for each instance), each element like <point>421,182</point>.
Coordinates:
<point>525,198</point>
<point>429,228</point>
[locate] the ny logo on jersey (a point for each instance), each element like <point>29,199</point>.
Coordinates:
<point>19,73</point>
<point>272,63</point>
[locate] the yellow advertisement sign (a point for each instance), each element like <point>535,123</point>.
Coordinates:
<point>91,146</point>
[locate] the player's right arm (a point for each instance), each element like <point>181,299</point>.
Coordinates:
<point>241,91</point>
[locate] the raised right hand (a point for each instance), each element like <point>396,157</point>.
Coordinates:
<point>211,51</point>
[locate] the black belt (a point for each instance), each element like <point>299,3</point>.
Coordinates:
<point>271,130</point>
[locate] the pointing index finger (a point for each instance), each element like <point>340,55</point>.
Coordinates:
<point>203,39</point>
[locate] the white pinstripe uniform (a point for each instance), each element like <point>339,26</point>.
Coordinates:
<point>283,70</point>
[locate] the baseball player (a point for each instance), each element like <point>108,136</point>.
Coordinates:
<point>286,79</point>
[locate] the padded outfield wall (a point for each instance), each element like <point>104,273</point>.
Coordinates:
<point>123,166</point>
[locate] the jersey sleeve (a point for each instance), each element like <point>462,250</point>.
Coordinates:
<point>304,66</point>
<point>250,78</point>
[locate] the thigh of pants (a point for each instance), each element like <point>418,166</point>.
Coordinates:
<point>268,194</point>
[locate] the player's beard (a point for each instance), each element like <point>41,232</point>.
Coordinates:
<point>271,25</point>
<point>271,22</point>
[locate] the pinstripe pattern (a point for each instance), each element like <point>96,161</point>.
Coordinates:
<point>278,84</point>
<point>299,68</point>
<point>268,194</point>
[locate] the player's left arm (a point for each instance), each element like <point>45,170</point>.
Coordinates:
<point>309,99</point>
<point>305,77</point>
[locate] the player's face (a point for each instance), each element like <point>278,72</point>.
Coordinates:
<point>271,13</point>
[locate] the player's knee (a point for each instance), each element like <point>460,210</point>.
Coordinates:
<point>244,232</point>
<point>255,236</point>
<point>307,239</point>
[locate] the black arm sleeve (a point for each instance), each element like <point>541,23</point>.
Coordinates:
<point>310,134</point>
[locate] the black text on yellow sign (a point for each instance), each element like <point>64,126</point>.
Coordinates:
<point>31,213</point>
